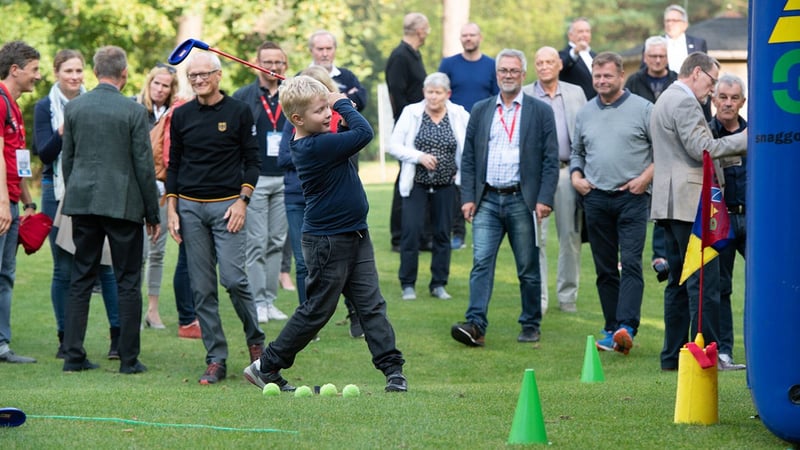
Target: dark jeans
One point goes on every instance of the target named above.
(184, 300)
(617, 227)
(419, 205)
(659, 246)
(62, 269)
(126, 240)
(727, 257)
(338, 264)
(396, 220)
(681, 301)
(459, 225)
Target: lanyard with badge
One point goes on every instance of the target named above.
(509, 157)
(274, 136)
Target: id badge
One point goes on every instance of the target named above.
(510, 157)
(273, 143)
(24, 162)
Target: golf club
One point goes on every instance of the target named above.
(182, 51)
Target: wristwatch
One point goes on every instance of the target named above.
(29, 205)
(245, 198)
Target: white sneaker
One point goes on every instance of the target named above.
(263, 316)
(440, 293)
(274, 313)
(409, 293)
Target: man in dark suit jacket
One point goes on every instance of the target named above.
(509, 172)
(676, 21)
(110, 191)
(405, 73)
(576, 57)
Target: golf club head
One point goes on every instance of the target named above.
(11, 417)
(182, 51)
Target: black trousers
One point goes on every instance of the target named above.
(126, 240)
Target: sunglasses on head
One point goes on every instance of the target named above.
(169, 68)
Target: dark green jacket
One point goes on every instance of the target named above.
(107, 159)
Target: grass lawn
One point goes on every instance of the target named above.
(458, 397)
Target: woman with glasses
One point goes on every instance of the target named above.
(48, 118)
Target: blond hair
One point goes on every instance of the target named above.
(296, 94)
(322, 75)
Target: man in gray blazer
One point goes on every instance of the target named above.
(509, 172)
(110, 191)
(680, 133)
(566, 99)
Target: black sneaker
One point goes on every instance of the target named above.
(260, 379)
(396, 382)
(529, 335)
(215, 372)
(467, 334)
(80, 366)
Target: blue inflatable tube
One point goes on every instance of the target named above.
(772, 306)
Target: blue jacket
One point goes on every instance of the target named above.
(538, 152)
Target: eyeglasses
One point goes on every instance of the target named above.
(513, 72)
(169, 68)
(266, 64)
(714, 81)
(201, 75)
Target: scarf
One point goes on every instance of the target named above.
(57, 102)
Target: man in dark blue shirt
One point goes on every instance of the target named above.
(729, 97)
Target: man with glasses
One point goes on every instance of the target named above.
(322, 45)
(266, 214)
(680, 133)
(679, 44)
(213, 169)
(509, 172)
(649, 82)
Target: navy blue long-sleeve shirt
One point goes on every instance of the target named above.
(335, 199)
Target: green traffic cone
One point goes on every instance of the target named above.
(528, 424)
(592, 369)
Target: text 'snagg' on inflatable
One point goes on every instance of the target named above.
(772, 306)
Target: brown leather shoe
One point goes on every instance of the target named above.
(255, 351)
(191, 331)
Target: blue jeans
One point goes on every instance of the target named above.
(497, 215)
(438, 205)
(727, 257)
(617, 227)
(8, 268)
(62, 269)
(338, 264)
(208, 243)
(294, 215)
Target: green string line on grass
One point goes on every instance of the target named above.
(165, 425)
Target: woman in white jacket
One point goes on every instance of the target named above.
(428, 138)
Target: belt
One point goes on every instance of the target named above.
(503, 191)
(736, 209)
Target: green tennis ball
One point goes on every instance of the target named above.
(351, 390)
(303, 391)
(328, 390)
(271, 390)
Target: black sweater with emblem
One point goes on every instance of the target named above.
(213, 151)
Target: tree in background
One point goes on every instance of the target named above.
(367, 30)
